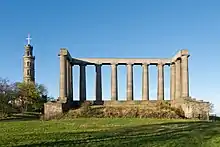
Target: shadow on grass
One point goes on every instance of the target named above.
(22, 117)
(166, 134)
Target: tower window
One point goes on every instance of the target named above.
(28, 53)
(28, 72)
(28, 63)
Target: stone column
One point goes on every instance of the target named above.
(145, 82)
(82, 83)
(185, 76)
(129, 82)
(114, 83)
(160, 85)
(63, 79)
(172, 81)
(98, 83)
(68, 79)
(178, 79)
(71, 82)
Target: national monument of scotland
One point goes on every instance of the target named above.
(179, 83)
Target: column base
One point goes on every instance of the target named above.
(98, 102)
(62, 99)
(129, 99)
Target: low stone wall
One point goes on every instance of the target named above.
(53, 109)
(193, 108)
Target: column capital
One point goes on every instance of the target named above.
(98, 67)
(129, 64)
(114, 63)
(82, 64)
(98, 64)
(172, 63)
(160, 64)
(184, 57)
(178, 60)
(71, 63)
(185, 52)
(62, 55)
(145, 64)
(64, 52)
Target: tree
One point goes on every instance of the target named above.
(39, 104)
(7, 95)
(30, 94)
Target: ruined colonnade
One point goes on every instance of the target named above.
(179, 76)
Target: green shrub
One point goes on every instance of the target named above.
(96, 112)
(179, 111)
(85, 109)
(5, 110)
(3, 115)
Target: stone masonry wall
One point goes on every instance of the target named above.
(52, 109)
(193, 108)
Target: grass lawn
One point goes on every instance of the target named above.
(110, 132)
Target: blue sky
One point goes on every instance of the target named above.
(113, 28)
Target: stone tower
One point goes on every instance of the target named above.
(28, 63)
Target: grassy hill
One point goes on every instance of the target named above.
(117, 132)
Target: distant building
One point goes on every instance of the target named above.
(28, 63)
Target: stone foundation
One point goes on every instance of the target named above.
(52, 109)
(123, 102)
(193, 108)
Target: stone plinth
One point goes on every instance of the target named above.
(52, 109)
(192, 108)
